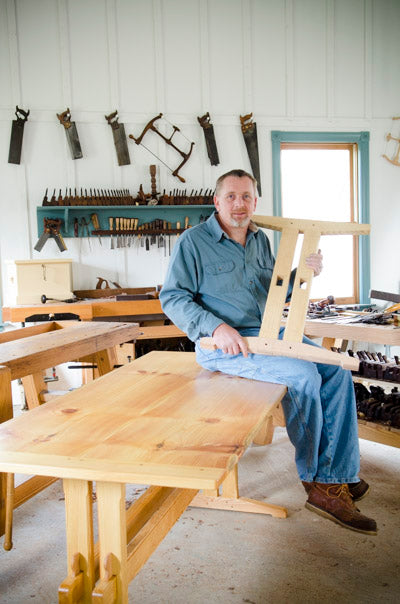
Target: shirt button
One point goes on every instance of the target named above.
(251, 282)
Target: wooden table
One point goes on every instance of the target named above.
(161, 421)
(26, 352)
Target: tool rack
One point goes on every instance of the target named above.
(145, 213)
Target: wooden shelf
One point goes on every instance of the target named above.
(170, 213)
(379, 433)
(382, 383)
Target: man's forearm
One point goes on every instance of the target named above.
(189, 316)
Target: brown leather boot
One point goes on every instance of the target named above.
(333, 501)
(357, 490)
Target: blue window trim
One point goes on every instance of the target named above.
(362, 141)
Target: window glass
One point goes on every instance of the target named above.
(317, 182)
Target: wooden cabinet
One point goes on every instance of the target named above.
(28, 280)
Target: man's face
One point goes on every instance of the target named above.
(236, 201)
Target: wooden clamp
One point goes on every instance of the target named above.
(291, 345)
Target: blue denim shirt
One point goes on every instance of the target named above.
(212, 279)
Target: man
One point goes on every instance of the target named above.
(217, 284)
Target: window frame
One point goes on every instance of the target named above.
(361, 139)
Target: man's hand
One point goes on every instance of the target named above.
(314, 261)
(229, 340)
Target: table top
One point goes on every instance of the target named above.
(27, 350)
(160, 420)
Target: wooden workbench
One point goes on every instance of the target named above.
(26, 352)
(388, 335)
(87, 309)
(161, 421)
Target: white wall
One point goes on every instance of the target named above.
(323, 65)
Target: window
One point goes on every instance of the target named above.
(324, 176)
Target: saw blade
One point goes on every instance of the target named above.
(121, 146)
(73, 141)
(17, 133)
(250, 138)
(42, 240)
(208, 128)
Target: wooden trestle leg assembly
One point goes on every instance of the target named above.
(291, 345)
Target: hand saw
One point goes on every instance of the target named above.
(119, 136)
(71, 134)
(208, 128)
(17, 133)
(249, 130)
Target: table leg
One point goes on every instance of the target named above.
(230, 500)
(78, 585)
(6, 413)
(106, 359)
(34, 385)
(113, 584)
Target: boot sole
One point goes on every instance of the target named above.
(325, 514)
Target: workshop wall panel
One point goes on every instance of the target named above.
(89, 58)
(6, 90)
(226, 57)
(39, 54)
(137, 69)
(386, 68)
(350, 62)
(269, 57)
(98, 150)
(309, 58)
(181, 56)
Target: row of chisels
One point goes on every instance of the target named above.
(122, 197)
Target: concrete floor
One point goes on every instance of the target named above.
(223, 557)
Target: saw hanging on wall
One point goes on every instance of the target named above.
(119, 136)
(208, 128)
(71, 134)
(168, 140)
(17, 133)
(249, 130)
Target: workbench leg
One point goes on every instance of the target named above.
(113, 583)
(34, 385)
(6, 413)
(230, 500)
(78, 585)
(265, 434)
(105, 360)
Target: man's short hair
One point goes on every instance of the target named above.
(238, 173)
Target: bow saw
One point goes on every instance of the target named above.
(168, 140)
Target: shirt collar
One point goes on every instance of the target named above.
(217, 232)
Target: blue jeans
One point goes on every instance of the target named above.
(320, 409)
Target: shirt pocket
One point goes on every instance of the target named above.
(264, 272)
(220, 276)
